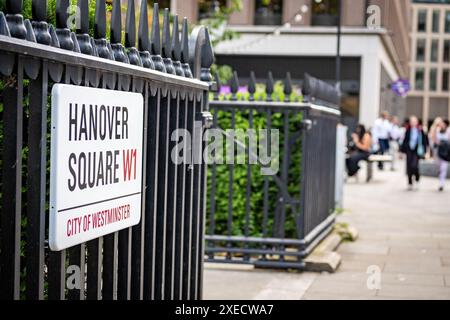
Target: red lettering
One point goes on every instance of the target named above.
(129, 159)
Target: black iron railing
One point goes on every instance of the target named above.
(161, 258)
(274, 220)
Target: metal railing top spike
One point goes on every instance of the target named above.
(314, 90)
(169, 53)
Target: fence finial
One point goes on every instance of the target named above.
(252, 86)
(234, 86)
(116, 33)
(83, 38)
(130, 25)
(101, 45)
(39, 10)
(40, 26)
(14, 6)
(62, 14)
(143, 37)
(166, 43)
(185, 49)
(63, 33)
(176, 48)
(156, 41)
(287, 87)
(83, 23)
(130, 35)
(207, 59)
(15, 20)
(100, 20)
(201, 55)
(116, 22)
(269, 86)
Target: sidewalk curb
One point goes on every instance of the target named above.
(324, 258)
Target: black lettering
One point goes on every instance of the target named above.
(91, 168)
(83, 124)
(73, 121)
(100, 172)
(110, 122)
(109, 160)
(82, 171)
(102, 126)
(116, 166)
(93, 117)
(117, 123)
(124, 123)
(72, 185)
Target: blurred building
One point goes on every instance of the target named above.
(300, 36)
(430, 60)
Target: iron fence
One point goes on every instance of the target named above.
(274, 220)
(161, 257)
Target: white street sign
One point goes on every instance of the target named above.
(96, 163)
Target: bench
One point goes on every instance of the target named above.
(376, 158)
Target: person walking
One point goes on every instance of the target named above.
(395, 136)
(359, 149)
(381, 131)
(441, 139)
(414, 147)
(432, 136)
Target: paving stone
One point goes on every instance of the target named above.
(447, 280)
(445, 261)
(364, 248)
(414, 292)
(420, 267)
(361, 257)
(358, 265)
(337, 288)
(277, 294)
(412, 279)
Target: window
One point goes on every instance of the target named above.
(447, 21)
(446, 55)
(433, 79)
(434, 50)
(324, 12)
(422, 21)
(420, 50)
(419, 79)
(445, 78)
(436, 16)
(268, 12)
(207, 8)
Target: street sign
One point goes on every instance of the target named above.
(96, 163)
(401, 87)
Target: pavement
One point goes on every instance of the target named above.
(403, 250)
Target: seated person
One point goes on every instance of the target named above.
(359, 149)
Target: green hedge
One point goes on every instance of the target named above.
(240, 180)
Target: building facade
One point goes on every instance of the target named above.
(301, 36)
(430, 60)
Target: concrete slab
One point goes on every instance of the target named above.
(221, 284)
(414, 292)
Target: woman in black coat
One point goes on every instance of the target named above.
(359, 149)
(415, 146)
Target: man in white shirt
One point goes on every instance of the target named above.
(396, 135)
(382, 130)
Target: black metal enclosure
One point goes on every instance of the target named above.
(274, 221)
(160, 258)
